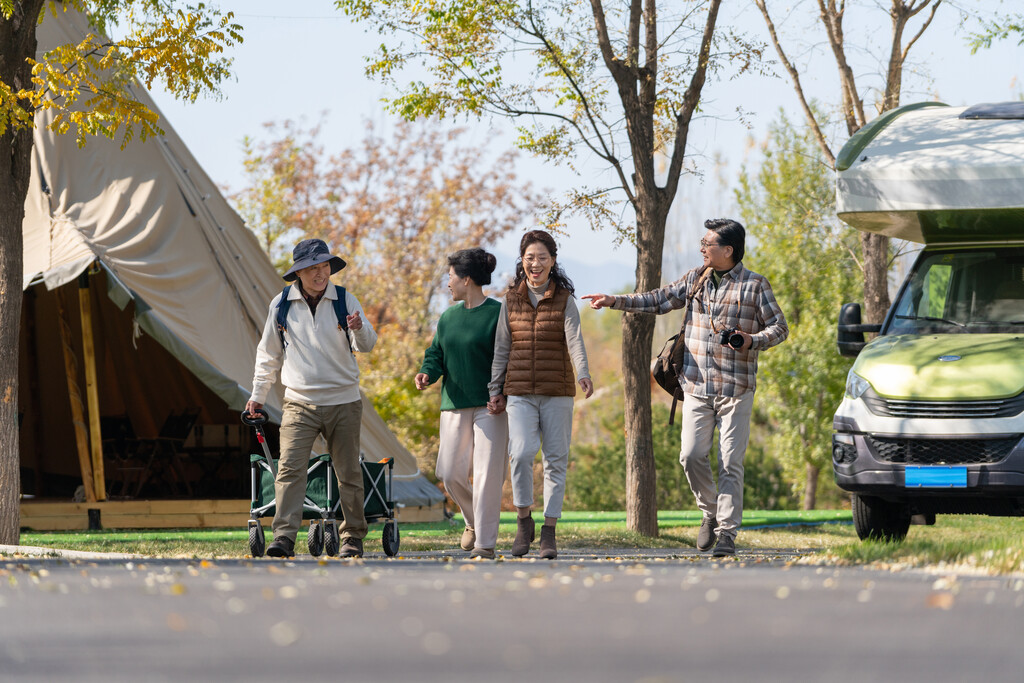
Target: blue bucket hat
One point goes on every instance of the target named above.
(312, 252)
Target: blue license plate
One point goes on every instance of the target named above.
(936, 476)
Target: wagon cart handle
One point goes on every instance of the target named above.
(257, 424)
(260, 419)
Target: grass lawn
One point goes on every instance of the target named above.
(988, 543)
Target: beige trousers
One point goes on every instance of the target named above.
(300, 425)
(474, 444)
(731, 416)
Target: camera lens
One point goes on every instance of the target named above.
(735, 340)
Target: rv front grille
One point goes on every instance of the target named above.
(941, 451)
(944, 410)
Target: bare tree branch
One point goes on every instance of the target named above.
(690, 100)
(795, 77)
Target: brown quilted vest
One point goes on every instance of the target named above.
(538, 361)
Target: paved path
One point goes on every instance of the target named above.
(646, 616)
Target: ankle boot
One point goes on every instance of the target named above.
(524, 536)
(548, 551)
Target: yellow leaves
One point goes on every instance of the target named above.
(87, 86)
(12, 114)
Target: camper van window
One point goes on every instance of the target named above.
(963, 291)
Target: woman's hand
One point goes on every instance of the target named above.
(598, 301)
(587, 386)
(496, 405)
(422, 381)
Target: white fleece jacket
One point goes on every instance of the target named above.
(316, 366)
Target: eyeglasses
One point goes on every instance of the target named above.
(705, 244)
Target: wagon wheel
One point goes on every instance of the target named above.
(257, 542)
(331, 540)
(390, 538)
(315, 538)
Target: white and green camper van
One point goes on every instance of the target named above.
(932, 420)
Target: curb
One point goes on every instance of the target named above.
(35, 551)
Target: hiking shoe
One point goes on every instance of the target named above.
(525, 531)
(706, 535)
(548, 551)
(483, 553)
(351, 547)
(281, 547)
(725, 547)
(468, 538)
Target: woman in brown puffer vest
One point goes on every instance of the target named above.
(537, 343)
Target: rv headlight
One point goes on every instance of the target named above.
(856, 385)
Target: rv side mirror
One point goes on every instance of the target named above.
(850, 335)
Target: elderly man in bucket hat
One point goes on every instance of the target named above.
(313, 348)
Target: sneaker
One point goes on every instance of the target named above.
(725, 547)
(281, 546)
(468, 538)
(525, 531)
(483, 553)
(706, 535)
(351, 547)
(548, 551)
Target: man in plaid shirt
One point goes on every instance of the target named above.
(719, 375)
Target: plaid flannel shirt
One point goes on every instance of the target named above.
(744, 300)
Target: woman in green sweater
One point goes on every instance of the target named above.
(474, 442)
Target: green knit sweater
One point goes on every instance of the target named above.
(461, 353)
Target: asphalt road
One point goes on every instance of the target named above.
(630, 616)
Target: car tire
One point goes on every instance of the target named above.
(879, 519)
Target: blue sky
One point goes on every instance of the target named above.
(306, 59)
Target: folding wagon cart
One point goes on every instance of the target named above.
(322, 504)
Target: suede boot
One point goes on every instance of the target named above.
(525, 531)
(548, 551)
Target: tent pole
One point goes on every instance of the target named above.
(91, 391)
(75, 397)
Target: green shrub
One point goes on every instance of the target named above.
(597, 472)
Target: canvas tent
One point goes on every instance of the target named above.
(173, 289)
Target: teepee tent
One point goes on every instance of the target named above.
(145, 299)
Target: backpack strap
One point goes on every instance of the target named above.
(340, 311)
(282, 313)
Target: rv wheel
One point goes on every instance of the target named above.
(879, 519)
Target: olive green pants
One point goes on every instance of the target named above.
(301, 424)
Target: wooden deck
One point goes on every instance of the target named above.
(51, 515)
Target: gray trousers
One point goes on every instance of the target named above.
(539, 423)
(340, 425)
(731, 416)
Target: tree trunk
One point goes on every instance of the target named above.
(637, 335)
(641, 478)
(17, 43)
(876, 276)
(811, 487)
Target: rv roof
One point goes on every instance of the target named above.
(937, 174)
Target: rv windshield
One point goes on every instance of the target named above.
(962, 290)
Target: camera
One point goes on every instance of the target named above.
(731, 338)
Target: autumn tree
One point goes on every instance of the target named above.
(83, 88)
(907, 21)
(591, 85)
(394, 206)
(787, 202)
